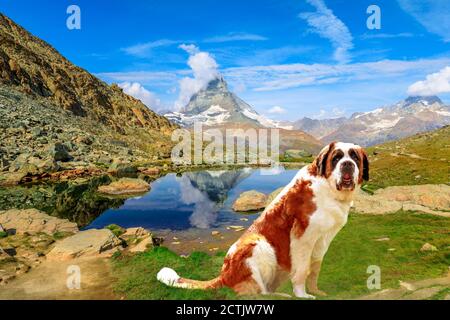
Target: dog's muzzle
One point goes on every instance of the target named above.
(347, 181)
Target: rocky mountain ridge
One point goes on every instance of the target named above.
(56, 116)
(403, 119)
(34, 67)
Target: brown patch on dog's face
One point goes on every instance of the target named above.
(319, 165)
(363, 164)
(291, 213)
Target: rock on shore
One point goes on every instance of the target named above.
(250, 201)
(85, 243)
(34, 221)
(432, 199)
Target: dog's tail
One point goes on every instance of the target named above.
(170, 278)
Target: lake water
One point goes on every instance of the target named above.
(189, 206)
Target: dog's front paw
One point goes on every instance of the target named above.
(300, 292)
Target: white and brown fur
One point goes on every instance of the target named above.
(292, 236)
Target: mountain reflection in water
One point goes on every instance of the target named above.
(199, 200)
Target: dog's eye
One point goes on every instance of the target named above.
(336, 159)
(355, 157)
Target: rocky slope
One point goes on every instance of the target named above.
(403, 119)
(38, 69)
(317, 127)
(54, 111)
(421, 159)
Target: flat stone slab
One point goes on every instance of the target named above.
(432, 199)
(125, 186)
(85, 243)
(419, 290)
(34, 221)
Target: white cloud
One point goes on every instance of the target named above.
(137, 91)
(432, 14)
(144, 49)
(282, 77)
(189, 48)
(328, 26)
(386, 35)
(236, 36)
(276, 110)
(433, 84)
(287, 76)
(204, 69)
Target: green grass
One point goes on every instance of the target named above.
(115, 229)
(344, 270)
(392, 165)
(137, 275)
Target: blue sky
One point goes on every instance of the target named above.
(288, 59)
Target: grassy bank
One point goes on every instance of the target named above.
(420, 159)
(344, 270)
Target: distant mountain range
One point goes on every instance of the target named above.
(217, 106)
(405, 118)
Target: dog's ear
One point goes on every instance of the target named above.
(319, 166)
(365, 159)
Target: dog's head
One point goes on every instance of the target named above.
(344, 165)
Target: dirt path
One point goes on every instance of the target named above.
(48, 281)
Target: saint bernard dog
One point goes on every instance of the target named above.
(291, 237)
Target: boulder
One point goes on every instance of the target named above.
(143, 245)
(12, 179)
(150, 171)
(250, 201)
(19, 162)
(273, 195)
(125, 186)
(59, 152)
(122, 169)
(34, 221)
(30, 165)
(85, 244)
(135, 233)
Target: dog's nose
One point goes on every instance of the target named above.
(348, 165)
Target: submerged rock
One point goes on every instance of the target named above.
(250, 201)
(125, 186)
(35, 221)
